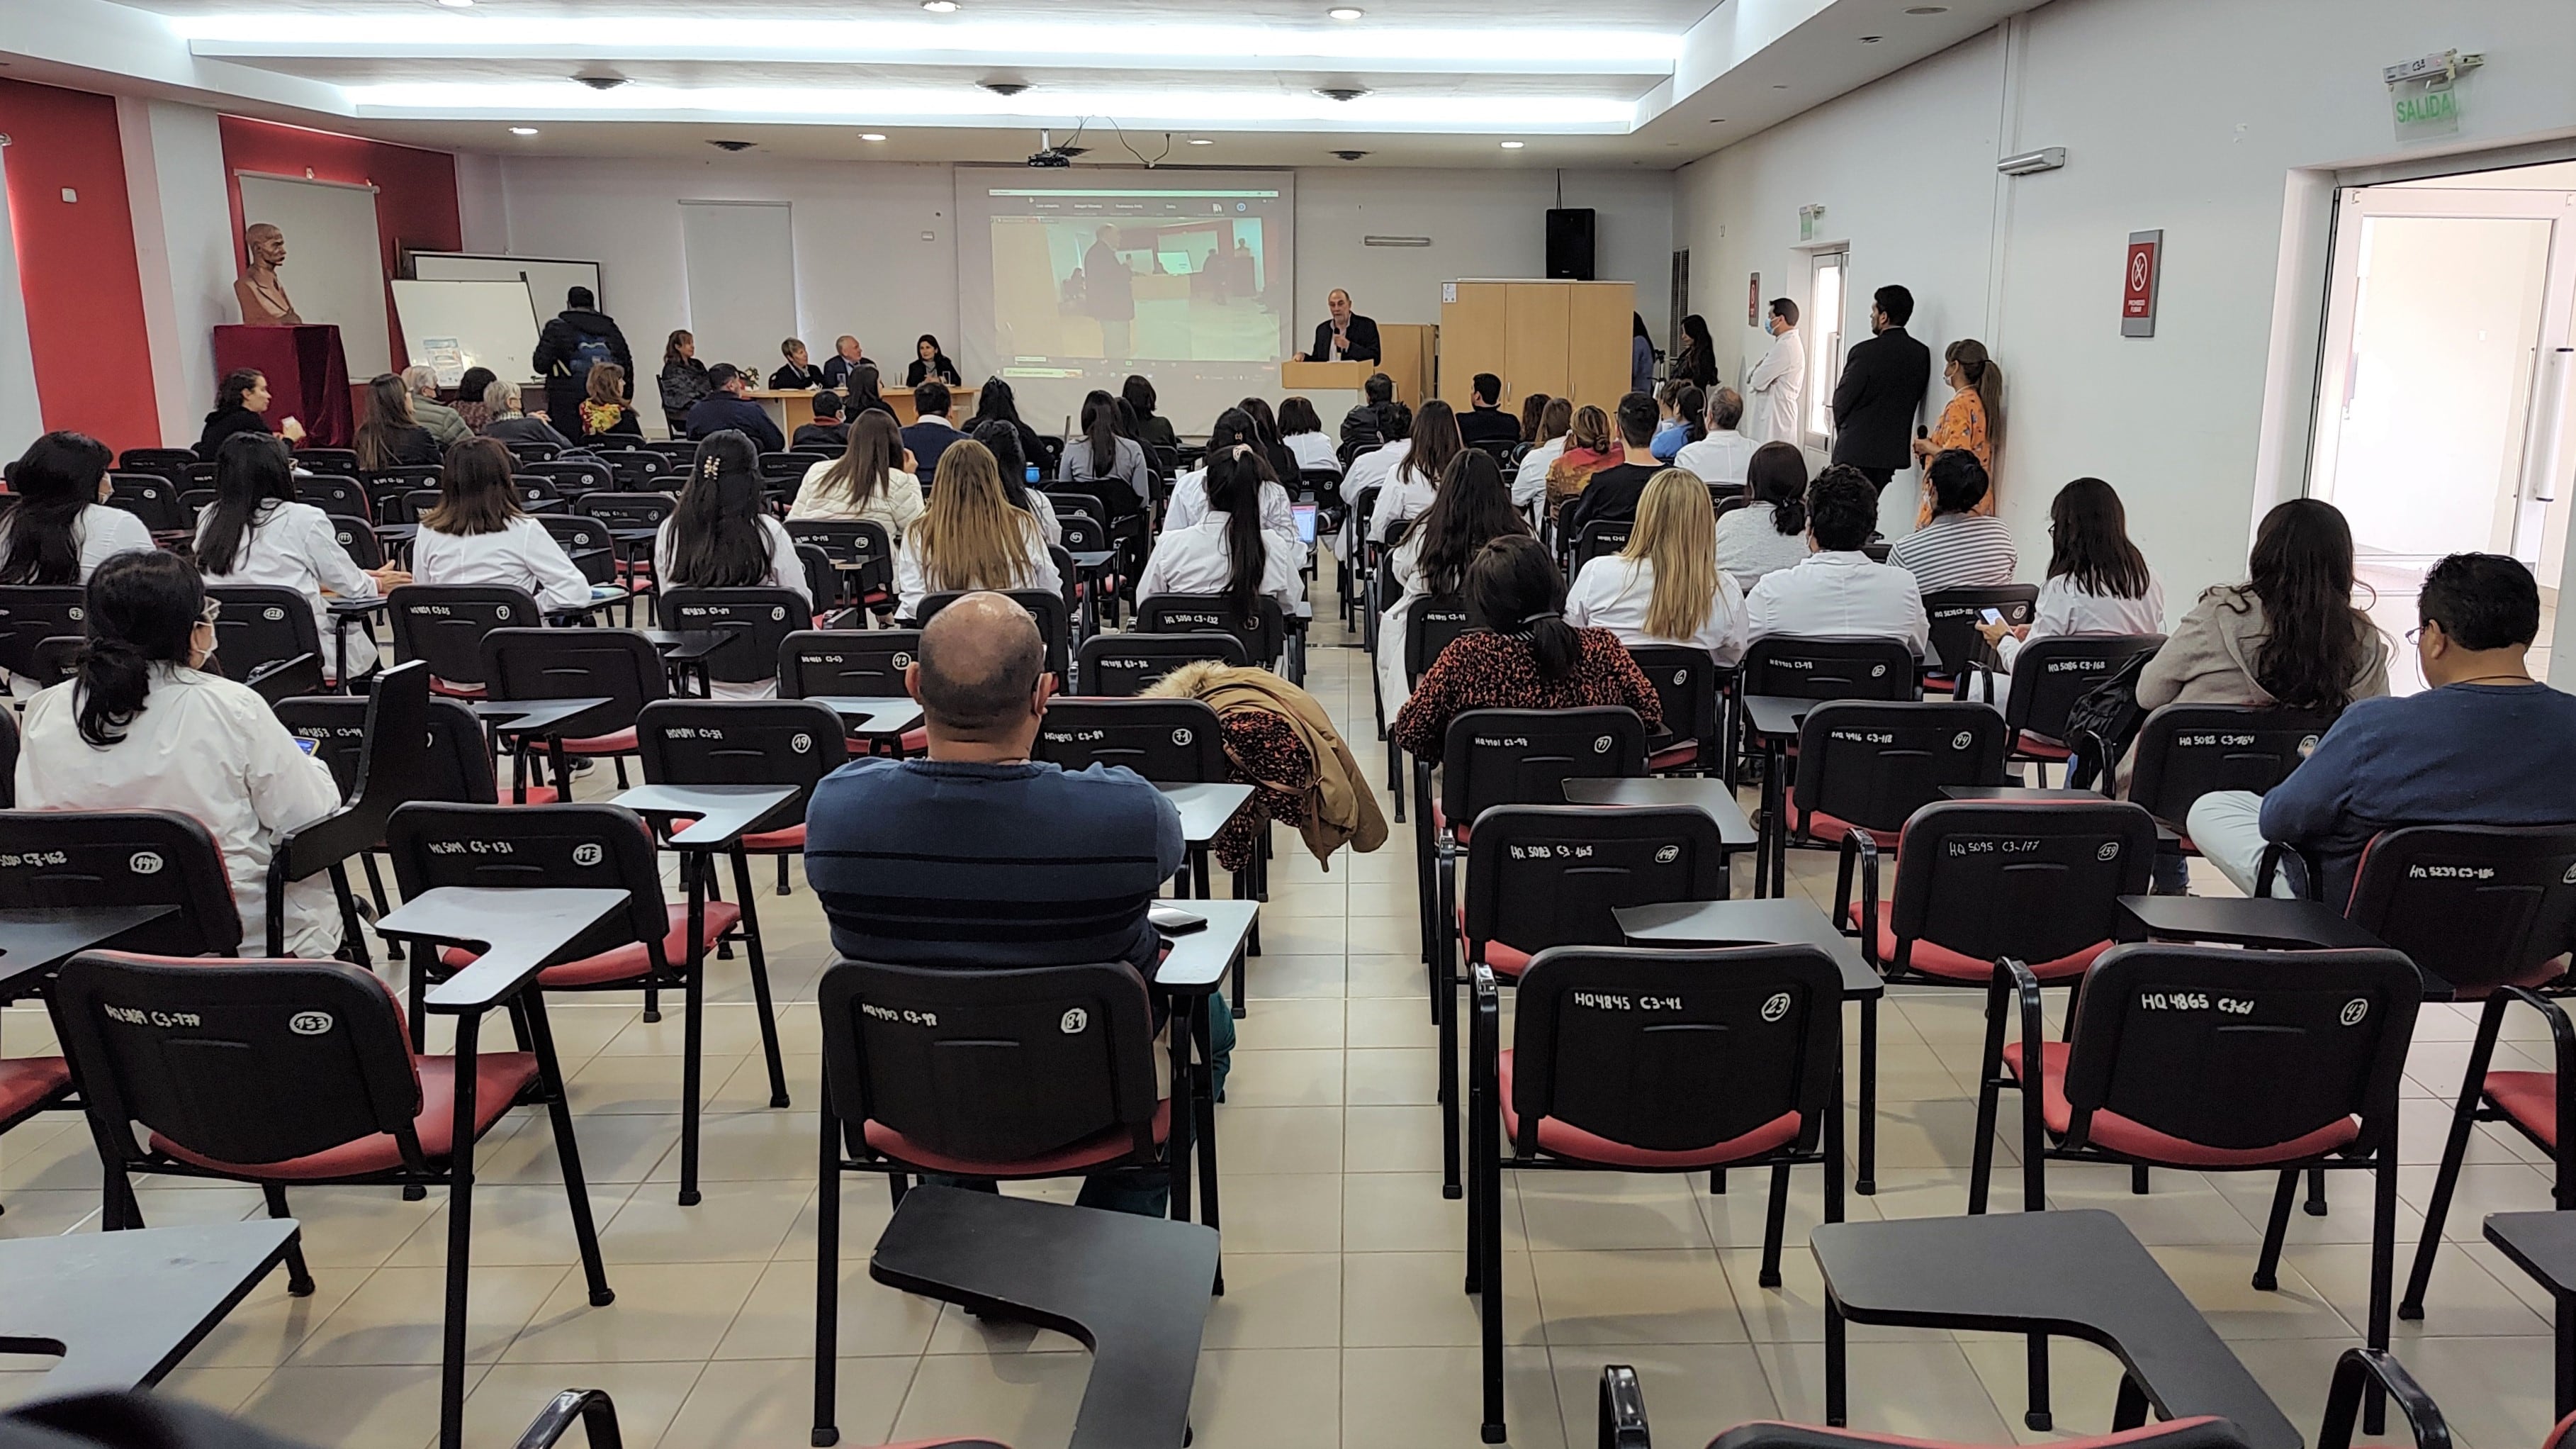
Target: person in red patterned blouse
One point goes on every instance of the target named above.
(1522, 654)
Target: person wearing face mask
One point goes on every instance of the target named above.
(143, 725)
(1779, 380)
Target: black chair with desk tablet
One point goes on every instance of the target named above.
(31, 615)
(170, 463)
(394, 754)
(572, 477)
(1722, 1059)
(537, 493)
(153, 499)
(2049, 675)
(413, 504)
(862, 550)
(392, 489)
(1869, 766)
(263, 630)
(636, 515)
(98, 858)
(620, 666)
(746, 742)
(1168, 741)
(1956, 645)
(1428, 627)
(1263, 633)
(755, 622)
(635, 470)
(534, 452)
(360, 542)
(444, 625)
(1049, 609)
(2185, 751)
(1686, 683)
(1121, 665)
(1600, 537)
(341, 497)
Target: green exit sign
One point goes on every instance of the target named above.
(2425, 109)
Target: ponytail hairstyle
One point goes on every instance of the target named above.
(2316, 644)
(1693, 417)
(252, 474)
(55, 479)
(1589, 430)
(2088, 534)
(1777, 474)
(1984, 379)
(996, 400)
(1234, 482)
(717, 541)
(1233, 428)
(1100, 427)
(144, 608)
(1472, 509)
(1513, 588)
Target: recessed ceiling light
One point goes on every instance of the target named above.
(872, 135)
(1201, 141)
(1927, 10)
(1514, 145)
(940, 7)
(1341, 93)
(1717, 120)
(1346, 12)
(1781, 86)
(455, 4)
(523, 130)
(1871, 39)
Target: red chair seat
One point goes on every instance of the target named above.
(2147, 1434)
(1508, 961)
(499, 1077)
(1559, 1139)
(2115, 1133)
(620, 743)
(1440, 822)
(631, 960)
(1832, 828)
(1675, 756)
(25, 1083)
(916, 741)
(791, 838)
(1108, 1146)
(2558, 1433)
(537, 795)
(2529, 1098)
(1933, 959)
(456, 691)
(2040, 747)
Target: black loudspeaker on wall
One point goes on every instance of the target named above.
(1569, 243)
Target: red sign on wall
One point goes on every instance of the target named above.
(2138, 284)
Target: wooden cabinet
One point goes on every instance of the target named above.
(1564, 339)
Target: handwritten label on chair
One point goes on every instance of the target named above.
(906, 1017)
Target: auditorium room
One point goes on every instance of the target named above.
(1125, 724)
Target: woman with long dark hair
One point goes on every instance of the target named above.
(1684, 420)
(721, 536)
(240, 401)
(1641, 355)
(1696, 362)
(57, 529)
(478, 534)
(1265, 426)
(1234, 428)
(1228, 552)
(2288, 635)
(929, 364)
(996, 403)
(256, 533)
(1151, 429)
(1770, 530)
(1104, 466)
(1547, 443)
(1533, 408)
(684, 379)
(2098, 582)
(1522, 654)
(142, 725)
(1472, 510)
(1420, 461)
(1002, 440)
(387, 436)
(469, 406)
(873, 479)
(1973, 420)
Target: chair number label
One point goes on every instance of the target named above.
(908, 1018)
(2455, 872)
(2193, 1001)
(1605, 1001)
(1551, 852)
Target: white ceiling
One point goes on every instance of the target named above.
(1648, 83)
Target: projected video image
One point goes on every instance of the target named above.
(1089, 278)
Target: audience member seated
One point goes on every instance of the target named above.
(510, 425)
(971, 537)
(1485, 421)
(873, 479)
(797, 374)
(1265, 429)
(827, 430)
(1189, 503)
(863, 394)
(141, 726)
(1227, 551)
(1280, 740)
(929, 364)
(1612, 493)
(469, 397)
(1002, 440)
(441, 420)
(1684, 410)
(1104, 466)
(1770, 531)
(1522, 654)
(2289, 635)
(478, 534)
(2485, 744)
(606, 420)
(256, 533)
(722, 536)
(2098, 582)
(1431, 560)
(1548, 443)
(684, 380)
(239, 404)
(930, 432)
(1590, 446)
(1836, 589)
(1152, 429)
(1665, 587)
(979, 858)
(1720, 457)
(727, 410)
(1420, 462)
(387, 437)
(1303, 431)
(56, 531)
(1378, 418)
(846, 356)
(1533, 407)
(1960, 548)
(996, 403)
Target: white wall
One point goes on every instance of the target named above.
(183, 250)
(22, 420)
(2196, 116)
(875, 255)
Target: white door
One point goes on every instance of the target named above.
(1827, 272)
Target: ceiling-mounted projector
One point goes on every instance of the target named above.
(1049, 156)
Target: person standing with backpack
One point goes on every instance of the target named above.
(578, 339)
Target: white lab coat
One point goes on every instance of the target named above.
(296, 546)
(913, 583)
(1189, 507)
(2064, 609)
(1374, 468)
(1839, 594)
(1612, 593)
(1775, 386)
(521, 555)
(102, 533)
(1406, 494)
(206, 747)
(1194, 560)
(1719, 459)
(1405, 568)
(898, 505)
(1529, 483)
(1314, 450)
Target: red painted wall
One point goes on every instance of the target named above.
(415, 196)
(76, 264)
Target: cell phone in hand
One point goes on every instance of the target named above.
(1990, 616)
(1173, 921)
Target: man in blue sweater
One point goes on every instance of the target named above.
(2486, 744)
(726, 407)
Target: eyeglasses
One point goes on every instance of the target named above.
(2416, 634)
(214, 610)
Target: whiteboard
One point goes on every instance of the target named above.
(548, 278)
(335, 266)
(451, 326)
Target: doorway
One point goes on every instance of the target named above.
(1826, 274)
(2443, 386)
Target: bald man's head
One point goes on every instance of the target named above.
(976, 673)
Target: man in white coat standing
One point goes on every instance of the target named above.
(1779, 380)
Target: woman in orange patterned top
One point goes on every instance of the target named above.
(1974, 420)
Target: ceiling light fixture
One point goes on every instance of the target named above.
(1004, 88)
(1201, 141)
(455, 4)
(1346, 12)
(1871, 39)
(1341, 93)
(940, 7)
(523, 130)
(1927, 10)
(872, 135)
(1514, 145)
(1350, 155)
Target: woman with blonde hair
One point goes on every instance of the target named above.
(872, 480)
(1665, 587)
(970, 537)
(1974, 420)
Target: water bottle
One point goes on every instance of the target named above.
(1033, 473)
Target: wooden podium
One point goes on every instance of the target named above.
(1410, 349)
(1565, 339)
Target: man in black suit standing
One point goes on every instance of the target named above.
(1346, 336)
(1881, 391)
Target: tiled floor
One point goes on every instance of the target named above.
(1344, 1323)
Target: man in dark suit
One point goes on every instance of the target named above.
(1486, 422)
(1109, 292)
(1346, 336)
(1881, 391)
